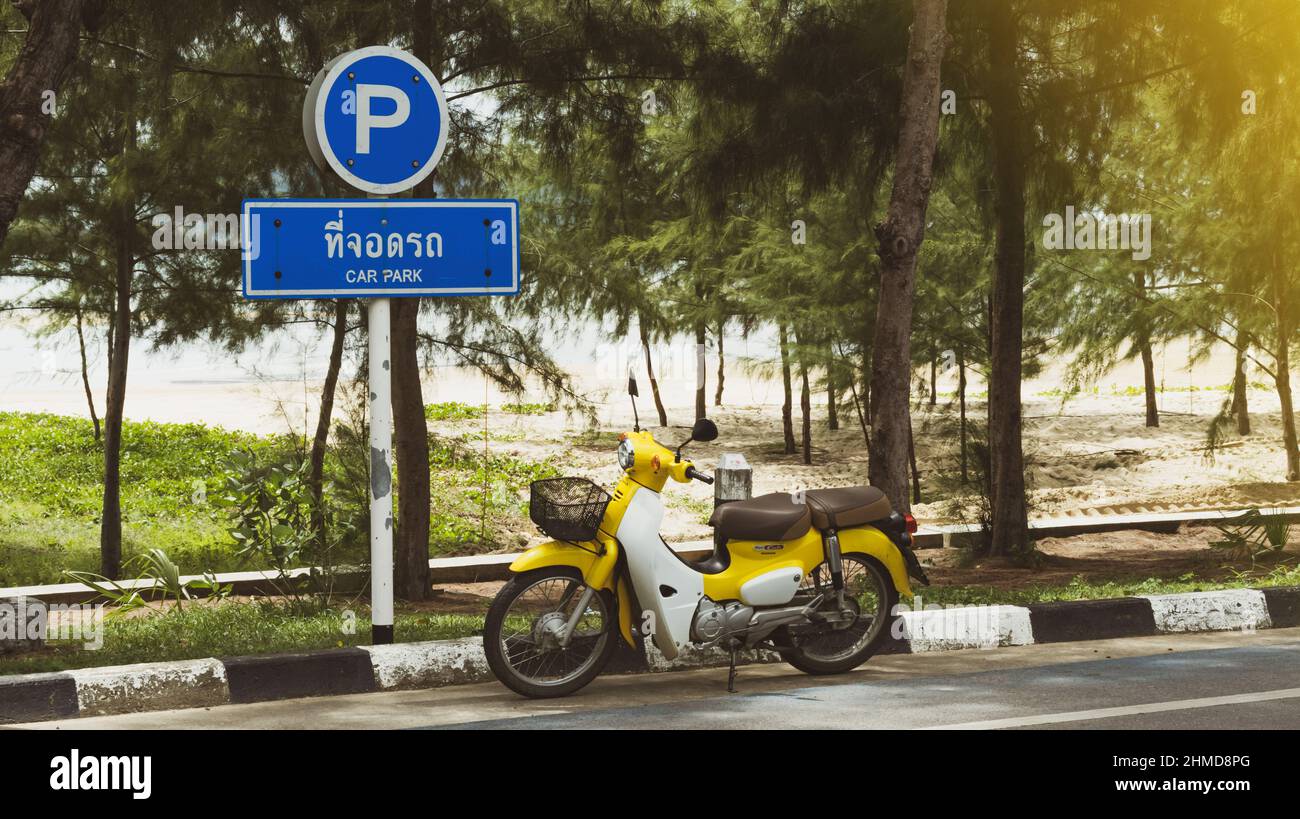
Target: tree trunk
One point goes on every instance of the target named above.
(805, 407)
(1149, 381)
(410, 429)
(50, 47)
(832, 412)
(110, 528)
(900, 237)
(787, 408)
(411, 439)
(857, 406)
(866, 397)
(650, 371)
(1240, 404)
(934, 371)
(85, 375)
(911, 459)
(316, 477)
(1007, 463)
(717, 395)
(1282, 306)
(1142, 336)
(701, 375)
(961, 402)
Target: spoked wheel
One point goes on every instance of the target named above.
(836, 648)
(522, 635)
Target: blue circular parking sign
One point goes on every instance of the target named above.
(378, 117)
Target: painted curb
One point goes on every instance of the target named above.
(211, 681)
(428, 665)
(1068, 621)
(1283, 604)
(966, 627)
(36, 697)
(1226, 610)
(150, 687)
(302, 674)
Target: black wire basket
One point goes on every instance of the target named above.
(567, 508)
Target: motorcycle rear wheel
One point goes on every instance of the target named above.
(522, 652)
(868, 586)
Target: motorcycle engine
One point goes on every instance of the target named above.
(714, 621)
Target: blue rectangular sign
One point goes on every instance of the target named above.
(342, 248)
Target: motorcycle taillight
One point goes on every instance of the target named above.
(911, 523)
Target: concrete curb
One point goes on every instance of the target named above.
(1227, 610)
(300, 674)
(212, 681)
(1071, 620)
(150, 687)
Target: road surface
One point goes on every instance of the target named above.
(1199, 681)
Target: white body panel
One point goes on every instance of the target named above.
(653, 566)
(772, 588)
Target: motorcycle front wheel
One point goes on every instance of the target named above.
(870, 591)
(521, 633)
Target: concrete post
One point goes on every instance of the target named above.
(734, 479)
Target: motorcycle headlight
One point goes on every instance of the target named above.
(626, 455)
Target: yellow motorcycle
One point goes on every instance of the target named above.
(814, 575)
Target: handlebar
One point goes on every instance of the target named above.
(692, 472)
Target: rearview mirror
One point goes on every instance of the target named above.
(704, 430)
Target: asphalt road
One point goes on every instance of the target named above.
(1163, 691)
(1204, 681)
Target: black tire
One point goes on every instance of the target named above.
(494, 646)
(807, 660)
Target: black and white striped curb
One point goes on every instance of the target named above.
(209, 682)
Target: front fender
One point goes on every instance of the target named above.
(871, 541)
(596, 561)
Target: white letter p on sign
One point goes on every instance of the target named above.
(366, 120)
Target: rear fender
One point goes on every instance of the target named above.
(871, 541)
(597, 561)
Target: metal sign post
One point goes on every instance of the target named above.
(381, 473)
(378, 118)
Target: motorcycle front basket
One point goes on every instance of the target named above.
(567, 508)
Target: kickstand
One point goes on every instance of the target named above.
(731, 673)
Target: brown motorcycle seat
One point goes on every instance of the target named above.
(846, 506)
(777, 516)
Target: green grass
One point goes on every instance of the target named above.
(1081, 589)
(1132, 390)
(462, 476)
(55, 461)
(701, 509)
(527, 409)
(452, 411)
(51, 493)
(230, 629)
